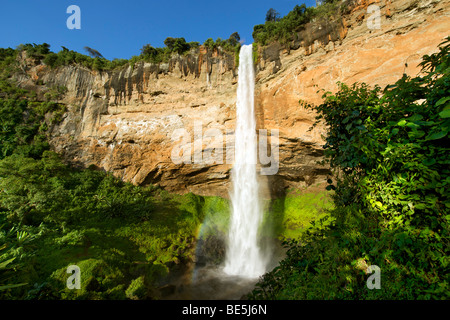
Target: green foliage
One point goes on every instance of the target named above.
(123, 237)
(155, 55)
(232, 44)
(93, 53)
(24, 124)
(216, 212)
(95, 60)
(389, 149)
(209, 44)
(137, 289)
(234, 39)
(68, 57)
(7, 63)
(99, 279)
(391, 145)
(114, 231)
(42, 53)
(55, 93)
(13, 240)
(291, 215)
(7, 266)
(181, 47)
(272, 15)
(178, 45)
(33, 189)
(9, 91)
(255, 53)
(158, 55)
(284, 29)
(37, 51)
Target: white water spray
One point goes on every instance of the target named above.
(244, 257)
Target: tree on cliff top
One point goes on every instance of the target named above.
(234, 39)
(272, 15)
(178, 45)
(93, 53)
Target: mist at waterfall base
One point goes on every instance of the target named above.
(245, 258)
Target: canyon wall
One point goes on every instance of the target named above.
(123, 121)
(356, 52)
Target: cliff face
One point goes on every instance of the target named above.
(123, 121)
(409, 30)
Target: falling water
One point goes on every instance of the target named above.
(244, 257)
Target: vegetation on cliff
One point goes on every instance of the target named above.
(389, 149)
(95, 61)
(286, 29)
(181, 47)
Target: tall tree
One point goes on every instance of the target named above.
(272, 15)
(234, 38)
(93, 53)
(178, 45)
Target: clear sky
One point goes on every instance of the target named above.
(119, 28)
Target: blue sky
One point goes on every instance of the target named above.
(119, 29)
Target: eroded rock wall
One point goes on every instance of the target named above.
(123, 120)
(408, 30)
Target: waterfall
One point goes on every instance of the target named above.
(244, 257)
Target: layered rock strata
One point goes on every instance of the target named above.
(123, 121)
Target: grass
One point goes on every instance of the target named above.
(291, 215)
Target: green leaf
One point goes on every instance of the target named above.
(412, 125)
(425, 123)
(445, 114)
(416, 134)
(5, 263)
(442, 101)
(401, 123)
(362, 128)
(379, 204)
(429, 162)
(436, 135)
(415, 117)
(9, 286)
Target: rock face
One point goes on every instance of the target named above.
(124, 120)
(408, 30)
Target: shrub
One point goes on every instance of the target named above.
(137, 289)
(51, 59)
